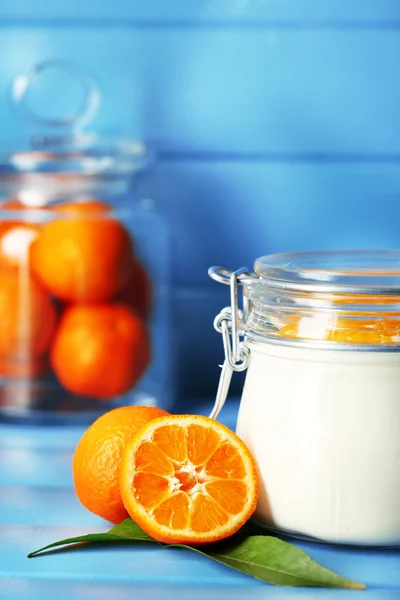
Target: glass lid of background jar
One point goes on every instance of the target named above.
(59, 159)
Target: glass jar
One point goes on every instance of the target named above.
(319, 334)
(84, 280)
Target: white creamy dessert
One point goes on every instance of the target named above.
(319, 335)
(324, 427)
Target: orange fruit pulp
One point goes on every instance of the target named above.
(85, 255)
(97, 459)
(28, 318)
(100, 350)
(188, 479)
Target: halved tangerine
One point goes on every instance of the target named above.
(188, 479)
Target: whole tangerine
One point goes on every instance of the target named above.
(28, 317)
(97, 459)
(82, 257)
(100, 351)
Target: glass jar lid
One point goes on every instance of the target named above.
(88, 154)
(347, 271)
(348, 299)
(59, 159)
(67, 167)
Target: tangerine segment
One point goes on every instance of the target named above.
(174, 512)
(225, 461)
(230, 494)
(207, 515)
(201, 444)
(172, 441)
(188, 479)
(151, 489)
(153, 461)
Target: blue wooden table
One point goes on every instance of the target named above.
(38, 506)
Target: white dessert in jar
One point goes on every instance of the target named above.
(320, 409)
(324, 427)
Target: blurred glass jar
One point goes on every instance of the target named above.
(84, 287)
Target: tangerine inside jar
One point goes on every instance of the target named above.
(320, 408)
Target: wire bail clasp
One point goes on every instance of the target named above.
(230, 324)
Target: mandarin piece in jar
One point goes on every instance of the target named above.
(28, 317)
(363, 299)
(82, 257)
(138, 291)
(367, 331)
(100, 351)
(97, 459)
(188, 479)
(384, 330)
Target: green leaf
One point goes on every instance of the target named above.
(91, 537)
(264, 557)
(126, 531)
(274, 561)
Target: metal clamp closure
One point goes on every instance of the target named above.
(230, 323)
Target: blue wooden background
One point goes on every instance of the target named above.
(277, 124)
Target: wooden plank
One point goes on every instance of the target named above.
(229, 213)
(43, 589)
(203, 11)
(198, 347)
(229, 91)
